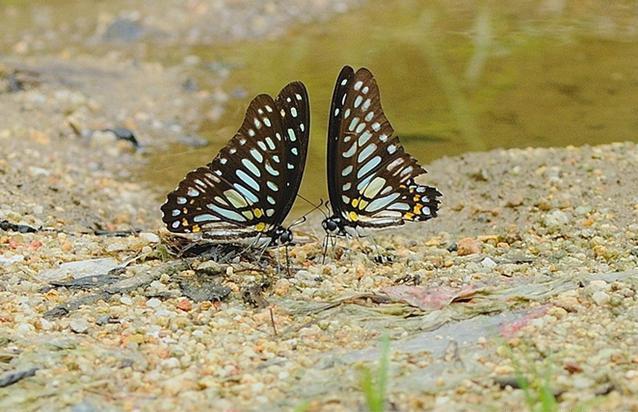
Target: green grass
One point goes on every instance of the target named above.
(374, 383)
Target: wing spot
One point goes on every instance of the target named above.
(366, 152)
(181, 200)
(345, 199)
(369, 116)
(346, 113)
(347, 170)
(298, 96)
(337, 112)
(357, 101)
(260, 111)
(262, 146)
(344, 81)
(291, 135)
(268, 108)
(293, 111)
(383, 138)
(282, 112)
(371, 164)
(204, 218)
(353, 123)
(267, 121)
(256, 155)
(294, 151)
(366, 105)
(272, 186)
(358, 85)
(192, 192)
(360, 127)
(223, 160)
(275, 158)
(270, 200)
(365, 90)
(376, 126)
(351, 151)
(242, 141)
(290, 166)
(270, 170)
(245, 177)
(302, 127)
(365, 136)
(257, 123)
(392, 148)
(175, 212)
(346, 186)
(175, 224)
(288, 99)
(270, 212)
(251, 167)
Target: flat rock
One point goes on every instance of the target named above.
(79, 269)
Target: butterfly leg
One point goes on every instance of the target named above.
(324, 249)
(287, 262)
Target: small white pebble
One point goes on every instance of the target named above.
(153, 303)
(600, 297)
(488, 263)
(126, 300)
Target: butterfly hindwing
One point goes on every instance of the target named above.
(370, 176)
(249, 187)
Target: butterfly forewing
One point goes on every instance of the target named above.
(250, 186)
(370, 177)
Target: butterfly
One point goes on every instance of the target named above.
(250, 186)
(370, 176)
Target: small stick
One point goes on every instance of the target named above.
(272, 321)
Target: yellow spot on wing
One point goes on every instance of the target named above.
(260, 227)
(363, 204)
(353, 216)
(196, 228)
(417, 208)
(408, 216)
(355, 202)
(258, 212)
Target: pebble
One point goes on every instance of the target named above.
(488, 263)
(126, 300)
(153, 303)
(79, 325)
(468, 246)
(555, 219)
(149, 237)
(600, 297)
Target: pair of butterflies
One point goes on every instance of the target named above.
(250, 186)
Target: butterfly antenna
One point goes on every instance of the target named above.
(303, 218)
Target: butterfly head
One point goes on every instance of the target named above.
(281, 236)
(333, 225)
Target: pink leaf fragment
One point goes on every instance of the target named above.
(428, 298)
(509, 330)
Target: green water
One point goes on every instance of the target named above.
(452, 79)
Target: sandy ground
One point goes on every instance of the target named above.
(530, 270)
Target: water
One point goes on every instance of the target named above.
(454, 76)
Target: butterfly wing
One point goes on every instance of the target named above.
(251, 184)
(370, 176)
